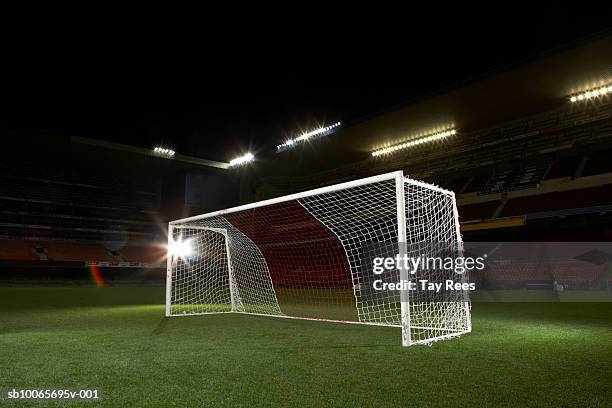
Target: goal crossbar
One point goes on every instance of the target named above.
(322, 190)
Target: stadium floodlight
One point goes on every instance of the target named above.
(163, 151)
(415, 142)
(249, 157)
(306, 256)
(592, 93)
(305, 136)
(180, 247)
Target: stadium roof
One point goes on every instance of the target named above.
(147, 152)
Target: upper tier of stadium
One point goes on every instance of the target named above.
(507, 102)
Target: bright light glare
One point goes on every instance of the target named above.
(164, 151)
(414, 142)
(242, 160)
(180, 248)
(592, 93)
(308, 135)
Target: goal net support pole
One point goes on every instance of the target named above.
(403, 273)
(169, 260)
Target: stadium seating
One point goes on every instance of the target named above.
(478, 182)
(575, 274)
(563, 167)
(152, 254)
(480, 211)
(14, 250)
(68, 251)
(81, 209)
(511, 157)
(66, 212)
(545, 136)
(517, 178)
(589, 197)
(598, 163)
(31, 195)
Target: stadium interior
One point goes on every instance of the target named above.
(526, 163)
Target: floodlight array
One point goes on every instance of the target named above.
(589, 94)
(415, 142)
(164, 151)
(305, 136)
(242, 160)
(592, 93)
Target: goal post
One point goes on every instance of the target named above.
(309, 256)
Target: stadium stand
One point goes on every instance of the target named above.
(540, 138)
(598, 163)
(589, 197)
(573, 274)
(55, 211)
(563, 167)
(515, 179)
(480, 211)
(515, 168)
(17, 250)
(518, 172)
(570, 271)
(151, 254)
(67, 251)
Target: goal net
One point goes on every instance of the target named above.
(310, 256)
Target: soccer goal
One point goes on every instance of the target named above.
(309, 256)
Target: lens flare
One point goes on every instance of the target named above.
(96, 274)
(180, 248)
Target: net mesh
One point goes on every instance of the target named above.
(201, 283)
(311, 257)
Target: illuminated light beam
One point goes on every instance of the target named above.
(415, 142)
(238, 161)
(591, 93)
(305, 136)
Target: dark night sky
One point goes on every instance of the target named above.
(214, 97)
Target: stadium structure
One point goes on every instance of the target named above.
(525, 148)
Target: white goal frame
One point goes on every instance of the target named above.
(400, 181)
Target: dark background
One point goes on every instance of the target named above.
(216, 93)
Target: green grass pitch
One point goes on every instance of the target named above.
(519, 354)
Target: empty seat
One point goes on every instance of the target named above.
(151, 254)
(17, 250)
(480, 211)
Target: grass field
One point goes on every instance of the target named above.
(520, 354)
